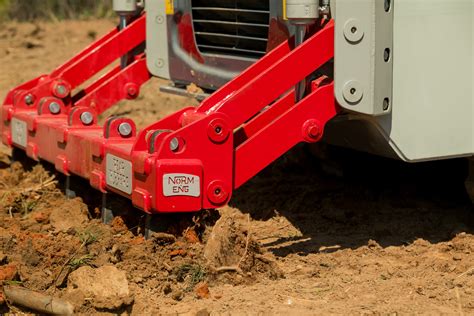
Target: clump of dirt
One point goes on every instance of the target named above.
(105, 287)
(232, 248)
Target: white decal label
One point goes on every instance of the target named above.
(119, 173)
(19, 132)
(181, 184)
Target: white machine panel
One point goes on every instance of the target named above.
(431, 111)
(433, 104)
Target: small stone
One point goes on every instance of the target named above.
(457, 257)
(167, 289)
(162, 238)
(202, 290)
(191, 236)
(372, 244)
(3, 258)
(138, 280)
(177, 296)
(177, 252)
(203, 312)
(8, 272)
(40, 217)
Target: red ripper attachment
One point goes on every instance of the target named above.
(188, 161)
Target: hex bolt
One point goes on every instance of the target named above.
(61, 90)
(29, 99)
(125, 129)
(54, 108)
(314, 131)
(87, 118)
(132, 91)
(174, 144)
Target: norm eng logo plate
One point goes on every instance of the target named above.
(181, 184)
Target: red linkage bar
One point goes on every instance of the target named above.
(303, 122)
(116, 86)
(61, 82)
(266, 81)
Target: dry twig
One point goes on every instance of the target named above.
(37, 301)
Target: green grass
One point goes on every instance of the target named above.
(195, 272)
(28, 10)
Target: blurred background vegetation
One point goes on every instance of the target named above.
(27, 10)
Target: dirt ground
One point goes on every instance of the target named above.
(361, 236)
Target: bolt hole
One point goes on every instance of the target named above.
(386, 104)
(386, 55)
(353, 30)
(218, 129)
(217, 191)
(353, 91)
(387, 5)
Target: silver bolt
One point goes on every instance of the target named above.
(125, 129)
(54, 108)
(61, 89)
(29, 99)
(87, 118)
(174, 144)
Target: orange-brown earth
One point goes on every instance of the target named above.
(369, 236)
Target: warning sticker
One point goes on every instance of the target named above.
(119, 173)
(19, 132)
(181, 184)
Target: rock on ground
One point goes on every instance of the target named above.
(107, 286)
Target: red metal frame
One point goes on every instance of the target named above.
(190, 160)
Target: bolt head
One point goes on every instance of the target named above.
(87, 118)
(132, 91)
(313, 131)
(29, 99)
(125, 129)
(61, 90)
(174, 144)
(54, 108)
